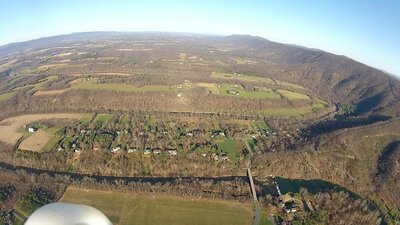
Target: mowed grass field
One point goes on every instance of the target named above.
(141, 209)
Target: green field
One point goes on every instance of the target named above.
(228, 146)
(289, 112)
(264, 219)
(103, 118)
(293, 95)
(238, 91)
(92, 85)
(86, 118)
(231, 76)
(54, 140)
(250, 143)
(6, 96)
(145, 209)
(100, 120)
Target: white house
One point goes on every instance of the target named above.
(31, 130)
(147, 151)
(115, 149)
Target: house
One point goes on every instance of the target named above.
(233, 92)
(31, 130)
(78, 150)
(225, 157)
(146, 151)
(189, 134)
(214, 156)
(157, 151)
(132, 150)
(172, 152)
(116, 149)
(289, 207)
(179, 95)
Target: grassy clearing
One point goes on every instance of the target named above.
(92, 85)
(238, 91)
(230, 76)
(6, 96)
(293, 95)
(229, 147)
(101, 119)
(128, 208)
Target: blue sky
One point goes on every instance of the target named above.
(366, 30)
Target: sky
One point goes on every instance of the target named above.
(365, 30)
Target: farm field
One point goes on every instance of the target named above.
(140, 209)
(238, 91)
(9, 127)
(36, 141)
(293, 95)
(91, 85)
(230, 76)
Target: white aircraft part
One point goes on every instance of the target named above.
(67, 214)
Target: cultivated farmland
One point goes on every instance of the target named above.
(36, 141)
(9, 128)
